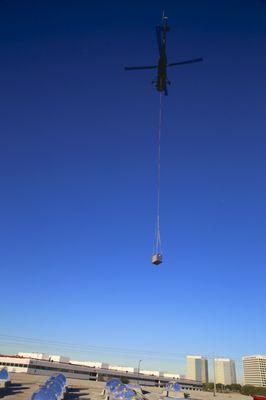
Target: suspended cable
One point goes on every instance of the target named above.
(158, 234)
(157, 257)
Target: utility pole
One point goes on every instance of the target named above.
(138, 369)
(214, 379)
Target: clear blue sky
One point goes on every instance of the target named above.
(78, 175)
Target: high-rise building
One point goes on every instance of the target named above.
(197, 368)
(254, 370)
(225, 371)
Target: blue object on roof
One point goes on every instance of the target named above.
(174, 386)
(127, 394)
(55, 387)
(38, 395)
(61, 378)
(49, 381)
(43, 394)
(52, 389)
(112, 384)
(120, 388)
(4, 375)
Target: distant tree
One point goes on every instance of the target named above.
(235, 387)
(207, 386)
(219, 386)
(256, 390)
(248, 390)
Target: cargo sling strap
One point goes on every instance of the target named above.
(157, 229)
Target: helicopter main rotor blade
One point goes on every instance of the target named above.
(145, 67)
(186, 62)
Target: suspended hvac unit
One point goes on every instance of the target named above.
(157, 258)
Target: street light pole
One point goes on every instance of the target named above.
(138, 369)
(214, 378)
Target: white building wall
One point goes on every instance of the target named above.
(93, 364)
(147, 372)
(255, 370)
(225, 371)
(37, 356)
(56, 358)
(171, 376)
(197, 368)
(17, 364)
(43, 367)
(121, 368)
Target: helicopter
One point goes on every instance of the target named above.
(161, 81)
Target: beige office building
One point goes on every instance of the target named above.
(254, 368)
(197, 368)
(225, 371)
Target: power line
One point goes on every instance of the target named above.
(82, 347)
